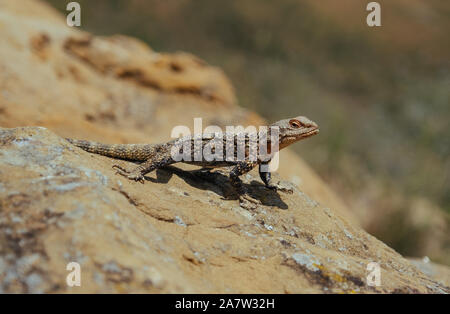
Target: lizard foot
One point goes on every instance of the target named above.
(282, 187)
(248, 202)
(120, 170)
(135, 175)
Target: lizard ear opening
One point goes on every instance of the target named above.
(295, 123)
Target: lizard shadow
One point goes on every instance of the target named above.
(218, 183)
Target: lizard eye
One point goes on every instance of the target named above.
(295, 123)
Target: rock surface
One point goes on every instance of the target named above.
(181, 231)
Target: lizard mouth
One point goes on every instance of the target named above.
(310, 133)
(304, 135)
(291, 139)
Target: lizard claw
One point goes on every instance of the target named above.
(138, 177)
(282, 187)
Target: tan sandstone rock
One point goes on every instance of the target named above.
(176, 233)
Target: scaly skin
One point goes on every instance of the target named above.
(154, 156)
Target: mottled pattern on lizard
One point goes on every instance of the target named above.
(154, 156)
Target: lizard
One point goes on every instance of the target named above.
(154, 156)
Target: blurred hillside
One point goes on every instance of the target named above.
(380, 95)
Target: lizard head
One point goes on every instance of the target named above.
(295, 129)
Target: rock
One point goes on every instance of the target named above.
(438, 272)
(183, 230)
(181, 73)
(60, 204)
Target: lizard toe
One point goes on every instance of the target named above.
(136, 177)
(120, 170)
(248, 202)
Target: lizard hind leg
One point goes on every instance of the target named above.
(245, 200)
(134, 174)
(137, 174)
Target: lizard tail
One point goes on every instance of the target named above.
(136, 152)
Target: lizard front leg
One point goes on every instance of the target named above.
(137, 174)
(241, 168)
(266, 177)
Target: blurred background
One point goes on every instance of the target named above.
(379, 94)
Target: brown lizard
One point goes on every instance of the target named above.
(154, 156)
